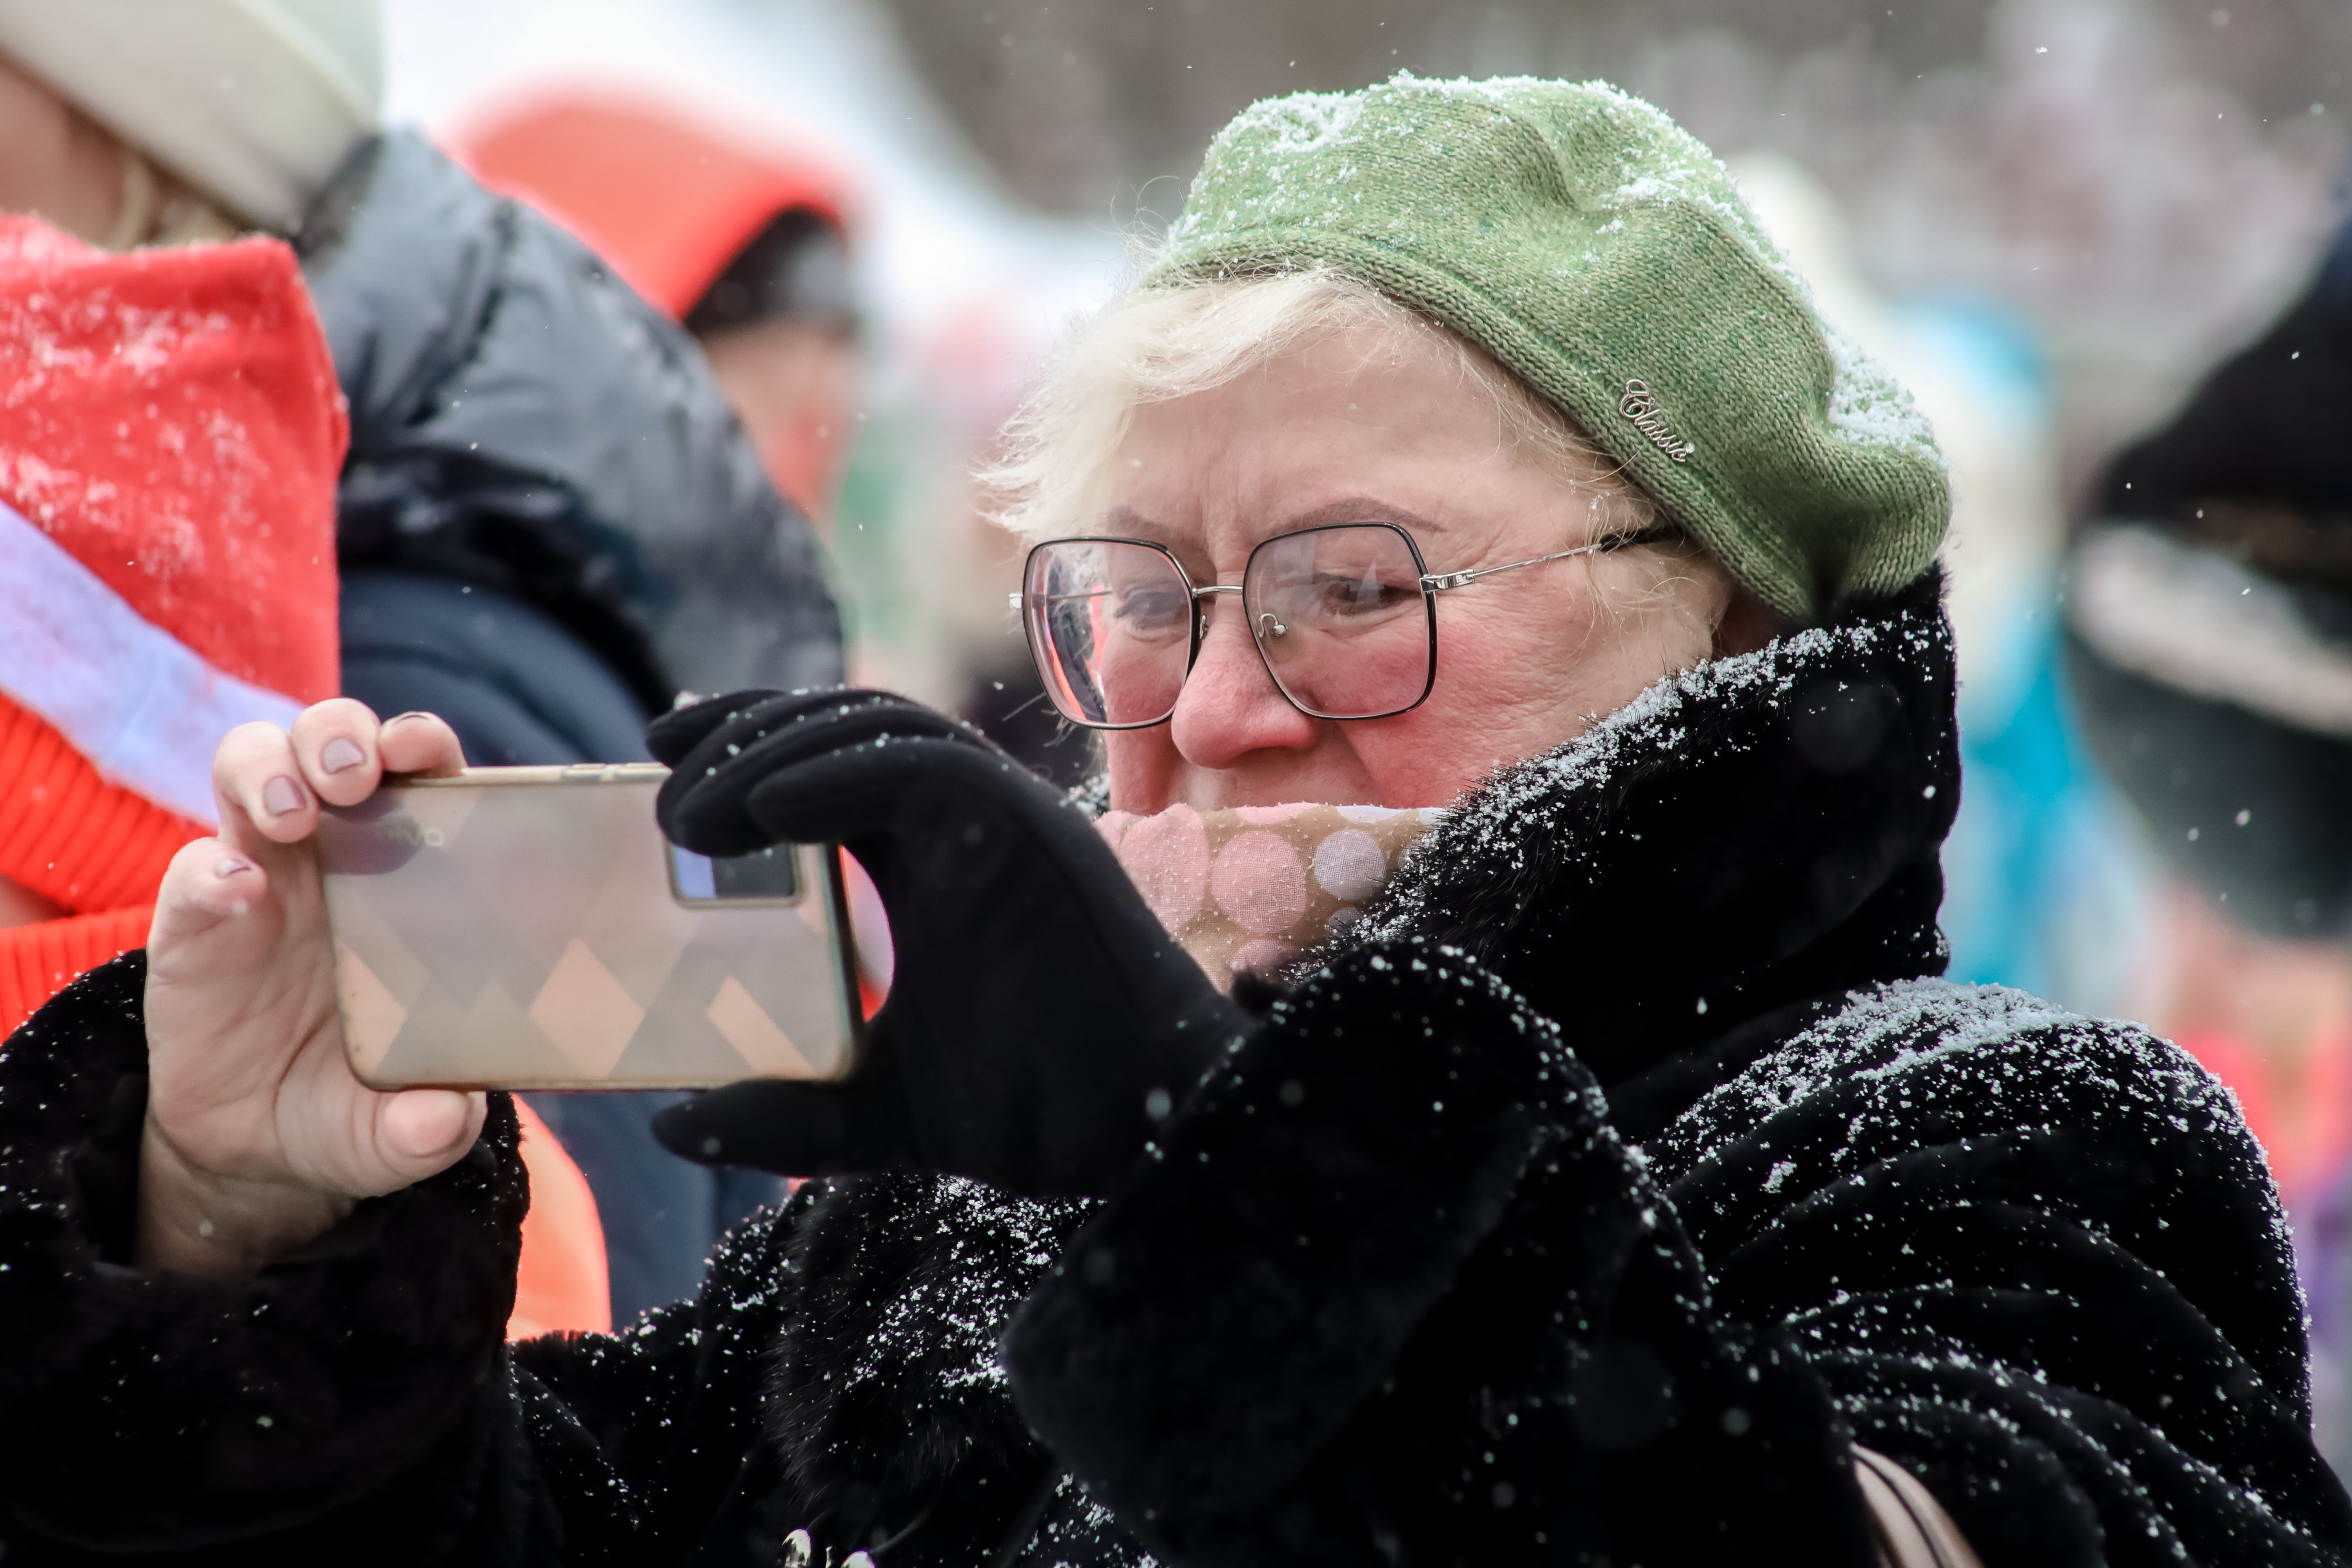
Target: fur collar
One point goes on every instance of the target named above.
(1752, 834)
(888, 1380)
(1756, 836)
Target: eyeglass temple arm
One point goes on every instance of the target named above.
(1438, 582)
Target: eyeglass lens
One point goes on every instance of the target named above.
(1340, 617)
(1111, 624)
(1337, 614)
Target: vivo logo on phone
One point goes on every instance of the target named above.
(407, 831)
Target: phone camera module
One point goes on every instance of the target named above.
(765, 876)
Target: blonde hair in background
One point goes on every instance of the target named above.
(1053, 475)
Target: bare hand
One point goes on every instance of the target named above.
(258, 1137)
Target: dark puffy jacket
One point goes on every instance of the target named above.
(549, 524)
(1629, 1167)
(516, 686)
(520, 420)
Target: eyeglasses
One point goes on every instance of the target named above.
(1344, 617)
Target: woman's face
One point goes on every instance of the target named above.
(1351, 429)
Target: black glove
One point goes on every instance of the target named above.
(1039, 1019)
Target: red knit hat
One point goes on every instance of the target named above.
(170, 436)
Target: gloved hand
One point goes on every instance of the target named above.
(1040, 1018)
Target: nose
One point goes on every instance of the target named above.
(1229, 706)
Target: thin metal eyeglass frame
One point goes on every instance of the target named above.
(1431, 584)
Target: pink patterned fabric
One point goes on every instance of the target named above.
(1255, 886)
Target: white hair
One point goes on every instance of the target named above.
(1053, 475)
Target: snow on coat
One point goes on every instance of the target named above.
(1629, 1166)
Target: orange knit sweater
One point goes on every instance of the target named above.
(70, 836)
(39, 960)
(77, 840)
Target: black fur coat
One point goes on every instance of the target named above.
(1629, 1168)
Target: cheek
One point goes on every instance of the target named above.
(1426, 757)
(1507, 689)
(1143, 764)
(1515, 679)
(1518, 652)
(1578, 647)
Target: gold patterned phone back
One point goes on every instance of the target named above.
(529, 928)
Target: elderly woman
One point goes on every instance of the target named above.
(1513, 621)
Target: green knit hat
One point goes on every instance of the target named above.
(1588, 243)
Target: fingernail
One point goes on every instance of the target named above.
(340, 754)
(405, 718)
(230, 864)
(280, 795)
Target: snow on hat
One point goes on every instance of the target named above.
(253, 102)
(170, 435)
(1601, 252)
(669, 201)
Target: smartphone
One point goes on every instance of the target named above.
(531, 928)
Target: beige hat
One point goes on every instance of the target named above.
(252, 102)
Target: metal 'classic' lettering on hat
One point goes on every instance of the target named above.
(1641, 405)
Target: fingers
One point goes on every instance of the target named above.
(702, 803)
(335, 744)
(345, 752)
(741, 717)
(845, 797)
(925, 788)
(271, 781)
(679, 732)
(946, 828)
(420, 744)
(258, 780)
(207, 883)
(421, 1132)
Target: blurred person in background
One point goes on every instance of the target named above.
(1586, 1163)
(169, 440)
(170, 436)
(2040, 883)
(746, 241)
(746, 246)
(548, 520)
(2211, 651)
(748, 249)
